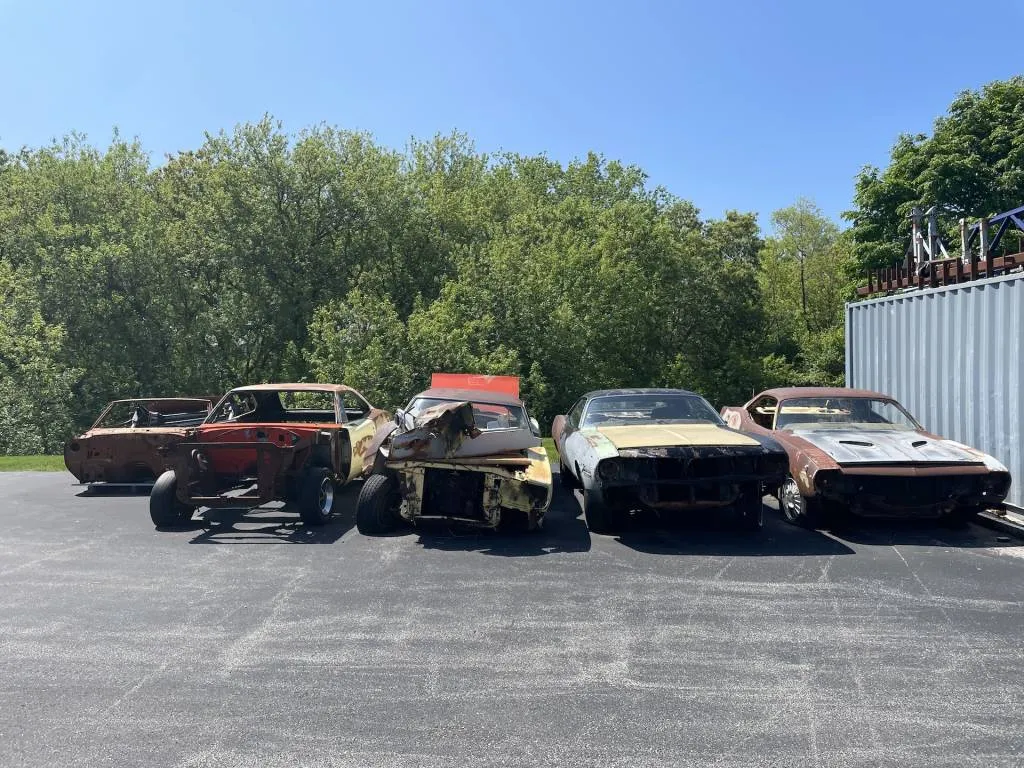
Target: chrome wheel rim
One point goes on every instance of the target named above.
(791, 501)
(326, 495)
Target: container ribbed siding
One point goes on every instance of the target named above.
(952, 356)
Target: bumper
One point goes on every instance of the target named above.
(475, 494)
(682, 479)
(922, 494)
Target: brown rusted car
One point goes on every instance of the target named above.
(296, 443)
(125, 445)
(863, 452)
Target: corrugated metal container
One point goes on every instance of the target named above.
(952, 356)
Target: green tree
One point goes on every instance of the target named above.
(35, 387)
(971, 166)
(805, 276)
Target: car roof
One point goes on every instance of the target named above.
(785, 393)
(302, 387)
(472, 395)
(206, 400)
(639, 391)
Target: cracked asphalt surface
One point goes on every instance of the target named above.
(251, 641)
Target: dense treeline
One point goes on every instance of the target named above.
(266, 256)
(323, 256)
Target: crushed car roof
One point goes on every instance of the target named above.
(471, 395)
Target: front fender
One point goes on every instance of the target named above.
(590, 447)
(557, 428)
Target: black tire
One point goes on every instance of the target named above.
(317, 494)
(565, 478)
(751, 510)
(796, 508)
(601, 518)
(165, 510)
(377, 507)
(380, 461)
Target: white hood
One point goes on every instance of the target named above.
(887, 447)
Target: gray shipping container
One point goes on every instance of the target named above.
(952, 356)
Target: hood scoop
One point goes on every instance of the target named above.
(885, 447)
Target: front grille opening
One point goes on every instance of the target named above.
(450, 493)
(914, 491)
(711, 468)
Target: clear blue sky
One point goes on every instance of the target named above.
(745, 105)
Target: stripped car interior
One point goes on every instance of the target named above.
(125, 445)
(296, 443)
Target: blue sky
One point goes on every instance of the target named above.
(744, 105)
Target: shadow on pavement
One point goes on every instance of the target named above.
(713, 536)
(923, 533)
(564, 531)
(135, 489)
(273, 525)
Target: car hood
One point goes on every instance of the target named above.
(848, 447)
(667, 435)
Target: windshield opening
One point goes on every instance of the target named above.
(138, 414)
(614, 410)
(843, 413)
(276, 407)
(486, 416)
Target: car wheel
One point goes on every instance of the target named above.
(377, 507)
(165, 509)
(601, 518)
(316, 496)
(795, 507)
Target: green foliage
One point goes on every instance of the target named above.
(35, 390)
(805, 276)
(971, 166)
(362, 342)
(262, 256)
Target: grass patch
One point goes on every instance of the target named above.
(32, 464)
(549, 446)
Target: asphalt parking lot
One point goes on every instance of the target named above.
(255, 642)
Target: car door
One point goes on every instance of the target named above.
(361, 429)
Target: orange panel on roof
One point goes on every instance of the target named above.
(508, 385)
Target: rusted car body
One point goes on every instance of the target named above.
(864, 452)
(296, 443)
(663, 450)
(467, 455)
(126, 444)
